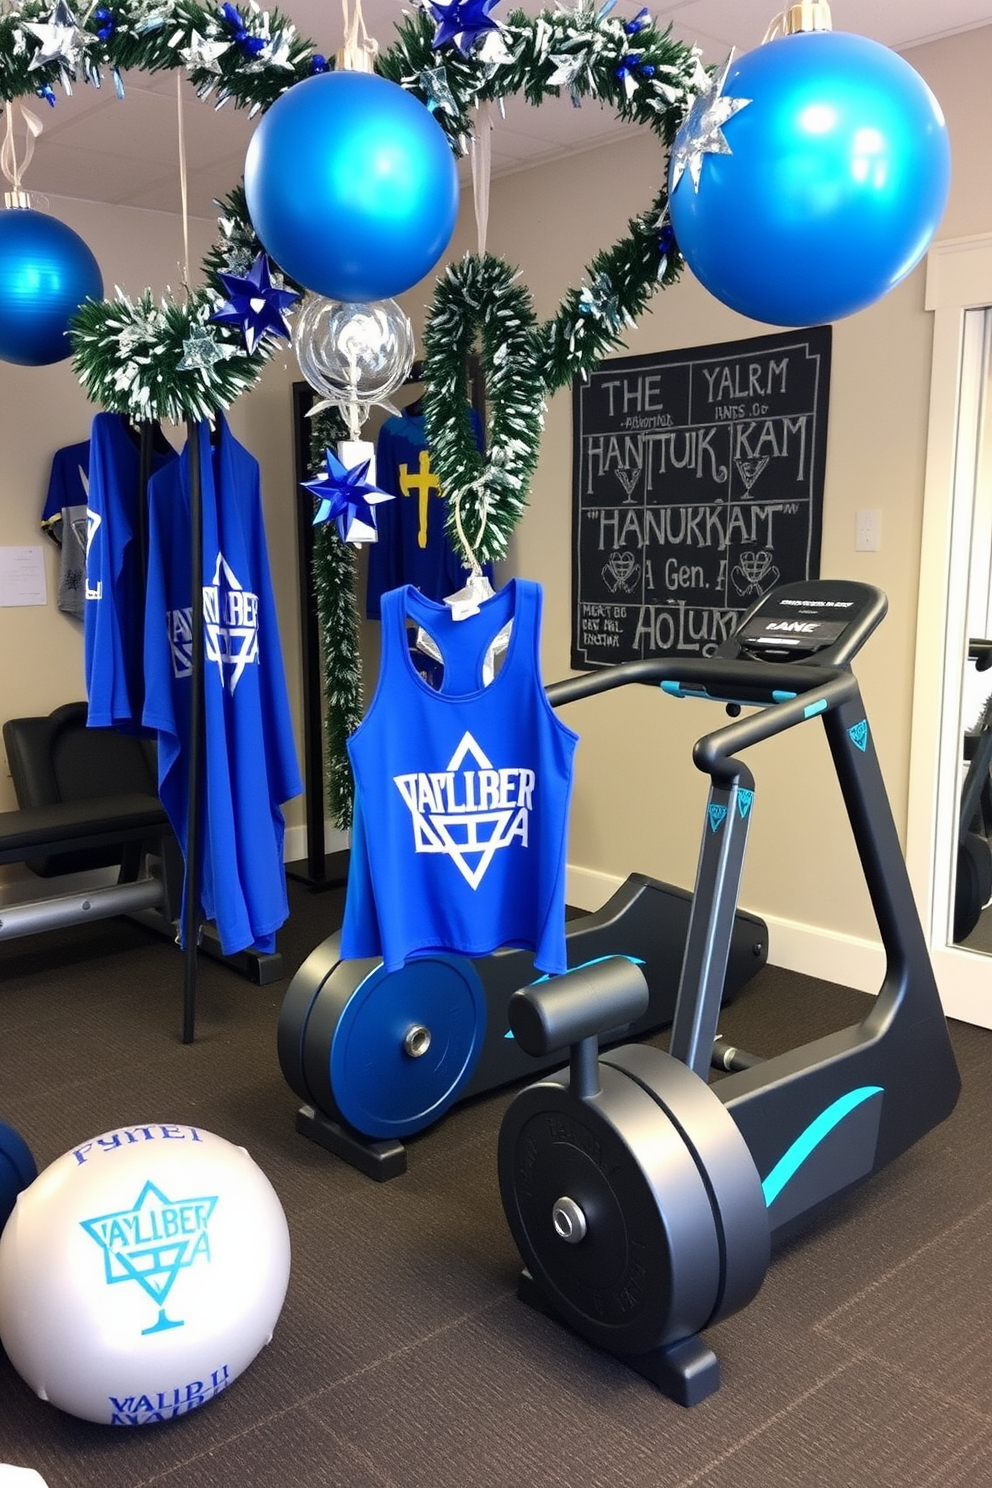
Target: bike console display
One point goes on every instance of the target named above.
(820, 622)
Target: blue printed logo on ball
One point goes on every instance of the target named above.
(151, 1242)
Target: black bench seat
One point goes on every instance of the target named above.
(83, 825)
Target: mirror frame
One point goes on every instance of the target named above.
(959, 278)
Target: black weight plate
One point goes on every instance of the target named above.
(355, 1061)
(301, 996)
(725, 1164)
(647, 1270)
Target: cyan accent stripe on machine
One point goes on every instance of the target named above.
(794, 1156)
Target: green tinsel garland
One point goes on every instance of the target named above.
(648, 78)
(479, 303)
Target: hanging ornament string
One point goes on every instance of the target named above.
(482, 165)
(13, 168)
(469, 549)
(357, 55)
(183, 187)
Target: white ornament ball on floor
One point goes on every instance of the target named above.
(141, 1273)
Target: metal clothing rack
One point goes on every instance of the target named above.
(259, 967)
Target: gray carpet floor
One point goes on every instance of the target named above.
(403, 1358)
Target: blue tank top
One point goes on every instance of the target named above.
(462, 794)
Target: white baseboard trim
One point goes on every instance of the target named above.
(295, 845)
(848, 960)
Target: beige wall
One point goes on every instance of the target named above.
(638, 801)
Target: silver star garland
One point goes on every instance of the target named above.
(434, 81)
(702, 133)
(201, 351)
(61, 43)
(204, 53)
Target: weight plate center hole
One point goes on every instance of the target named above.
(568, 1220)
(417, 1041)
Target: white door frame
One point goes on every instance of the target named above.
(959, 278)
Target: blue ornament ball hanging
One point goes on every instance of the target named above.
(811, 178)
(46, 272)
(351, 186)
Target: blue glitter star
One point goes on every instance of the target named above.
(346, 497)
(461, 21)
(254, 303)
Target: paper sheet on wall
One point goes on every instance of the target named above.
(22, 576)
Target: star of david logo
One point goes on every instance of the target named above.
(470, 838)
(151, 1242)
(230, 623)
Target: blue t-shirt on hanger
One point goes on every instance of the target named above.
(413, 546)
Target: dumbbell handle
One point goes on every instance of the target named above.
(567, 1009)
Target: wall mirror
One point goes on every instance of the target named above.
(949, 836)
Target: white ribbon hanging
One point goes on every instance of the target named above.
(482, 165)
(359, 49)
(13, 168)
(183, 187)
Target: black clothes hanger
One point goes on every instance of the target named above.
(416, 375)
(159, 443)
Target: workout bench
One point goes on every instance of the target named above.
(88, 799)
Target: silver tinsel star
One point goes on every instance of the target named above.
(276, 54)
(493, 52)
(434, 81)
(239, 260)
(702, 133)
(62, 43)
(567, 68)
(204, 53)
(201, 351)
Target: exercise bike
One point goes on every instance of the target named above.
(645, 1201)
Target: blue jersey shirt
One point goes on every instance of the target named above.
(412, 546)
(63, 517)
(113, 618)
(462, 794)
(250, 764)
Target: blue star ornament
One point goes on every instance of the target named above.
(346, 497)
(702, 132)
(461, 21)
(254, 303)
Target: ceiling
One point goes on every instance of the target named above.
(100, 148)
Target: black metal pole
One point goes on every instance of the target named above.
(313, 733)
(191, 906)
(146, 439)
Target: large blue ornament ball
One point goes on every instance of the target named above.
(836, 181)
(351, 186)
(46, 272)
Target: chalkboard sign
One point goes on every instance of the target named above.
(697, 486)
